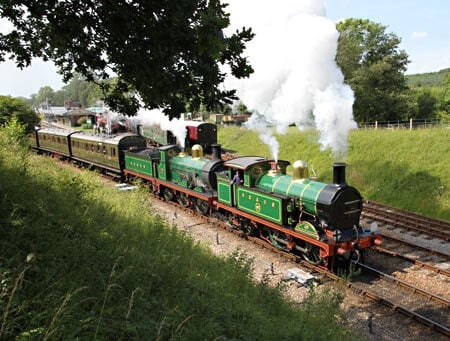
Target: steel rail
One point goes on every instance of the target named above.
(405, 219)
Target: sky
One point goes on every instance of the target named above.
(422, 25)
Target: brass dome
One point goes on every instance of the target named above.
(197, 151)
(300, 170)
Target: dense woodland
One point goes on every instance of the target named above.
(432, 93)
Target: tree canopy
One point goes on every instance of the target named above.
(374, 66)
(169, 52)
(14, 108)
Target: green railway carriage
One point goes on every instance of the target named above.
(104, 150)
(54, 141)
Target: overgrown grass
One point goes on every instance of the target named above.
(402, 168)
(79, 260)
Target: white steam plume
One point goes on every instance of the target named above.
(156, 117)
(296, 79)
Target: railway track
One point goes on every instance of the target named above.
(425, 298)
(422, 264)
(432, 260)
(406, 220)
(419, 304)
(397, 243)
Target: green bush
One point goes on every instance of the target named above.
(81, 121)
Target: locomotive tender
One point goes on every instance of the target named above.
(197, 132)
(315, 220)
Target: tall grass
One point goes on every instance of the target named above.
(402, 168)
(80, 260)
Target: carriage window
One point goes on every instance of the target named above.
(113, 152)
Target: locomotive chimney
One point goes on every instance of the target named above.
(216, 151)
(339, 173)
(273, 169)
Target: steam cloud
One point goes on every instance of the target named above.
(157, 117)
(296, 79)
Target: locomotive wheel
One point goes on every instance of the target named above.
(278, 239)
(167, 194)
(312, 255)
(201, 206)
(248, 228)
(182, 199)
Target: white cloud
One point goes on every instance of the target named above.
(419, 35)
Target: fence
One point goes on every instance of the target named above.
(411, 124)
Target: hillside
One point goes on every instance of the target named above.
(427, 79)
(402, 168)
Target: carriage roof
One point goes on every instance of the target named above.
(56, 131)
(109, 139)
